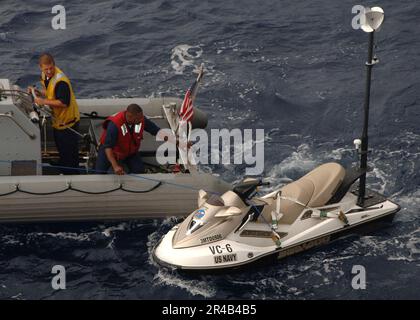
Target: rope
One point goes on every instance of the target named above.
(273, 231)
(70, 188)
(8, 194)
(93, 115)
(151, 189)
(158, 182)
(40, 193)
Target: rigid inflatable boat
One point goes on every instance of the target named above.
(32, 188)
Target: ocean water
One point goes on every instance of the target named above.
(295, 69)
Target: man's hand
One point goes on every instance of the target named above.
(111, 158)
(37, 92)
(39, 101)
(38, 96)
(118, 170)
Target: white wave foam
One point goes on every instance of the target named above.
(409, 203)
(10, 240)
(18, 296)
(154, 237)
(107, 232)
(194, 287)
(385, 163)
(184, 56)
(405, 247)
(165, 277)
(301, 160)
(64, 235)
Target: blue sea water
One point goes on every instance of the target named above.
(295, 69)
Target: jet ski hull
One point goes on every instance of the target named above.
(229, 254)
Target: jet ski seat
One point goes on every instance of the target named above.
(314, 189)
(326, 180)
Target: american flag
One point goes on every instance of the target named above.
(186, 112)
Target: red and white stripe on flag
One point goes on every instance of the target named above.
(187, 111)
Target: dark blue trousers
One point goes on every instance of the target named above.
(67, 143)
(134, 163)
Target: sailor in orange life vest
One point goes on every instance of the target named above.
(57, 93)
(121, 139)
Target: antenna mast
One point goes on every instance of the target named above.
(373, 19)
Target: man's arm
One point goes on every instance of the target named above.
(150, 127)
(38, 93)
(111, 158)
(154, 130)
(51, 103)
(62, 94)
(111, 140)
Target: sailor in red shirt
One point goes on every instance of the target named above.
(121, 140)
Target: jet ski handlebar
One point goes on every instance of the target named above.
(247, 188)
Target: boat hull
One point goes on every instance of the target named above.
(102, 197)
